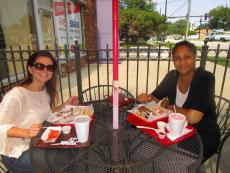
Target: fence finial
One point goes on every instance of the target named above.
(205, 42)
(204, 54)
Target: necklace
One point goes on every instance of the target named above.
(183, 82)
(183, 86)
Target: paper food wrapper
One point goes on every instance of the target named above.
(51, 134)
(150, 112)
(67, 114)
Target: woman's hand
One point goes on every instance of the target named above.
(34, 130)
(72, 101)
(164, 102)
(24, 133)
(144, 98)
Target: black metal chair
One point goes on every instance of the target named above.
(223, 119)
(103, 92)
(3, 169)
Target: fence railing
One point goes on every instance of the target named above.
(141, 69)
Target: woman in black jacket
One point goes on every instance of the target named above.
(191, 90)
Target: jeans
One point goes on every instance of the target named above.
(20, 165)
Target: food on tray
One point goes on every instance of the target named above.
(143, 112)
(87, 111)
(150, 112)
(81, 110)
(65, 112)
(68, 114)
(53, 134)
(158, 110)
(163, 102)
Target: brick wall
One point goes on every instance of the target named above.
(90, 26)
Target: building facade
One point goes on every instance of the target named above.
(38, 24)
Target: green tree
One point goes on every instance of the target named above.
(139, 20)
(146, 5)
(135, 24)
(219, 18)
(179, 27)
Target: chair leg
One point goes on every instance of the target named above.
(218, 158)
(217, 163)
(3, 168)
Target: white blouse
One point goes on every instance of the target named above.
(21, 108)
(180, 97)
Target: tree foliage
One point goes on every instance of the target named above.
(146, 5)
(219, 18)
(138, 20)
(179, 27)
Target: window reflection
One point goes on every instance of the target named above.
(47, 28)
(17, 23)
(17, 29)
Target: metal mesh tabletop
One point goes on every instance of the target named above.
(127, 150)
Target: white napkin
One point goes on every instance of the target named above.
(172, 138)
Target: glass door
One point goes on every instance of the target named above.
(46, 29)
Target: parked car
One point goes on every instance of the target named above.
(219, 35)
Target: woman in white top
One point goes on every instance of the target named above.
(25, 108)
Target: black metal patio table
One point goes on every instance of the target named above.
(127, 150)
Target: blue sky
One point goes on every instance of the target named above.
(198, 7)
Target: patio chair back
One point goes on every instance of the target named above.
(223, 119)
(3, 169)
(100, 92)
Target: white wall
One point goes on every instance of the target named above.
(104, 24)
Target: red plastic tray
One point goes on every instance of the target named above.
(136, 121)
(64, 137)
(123, 99)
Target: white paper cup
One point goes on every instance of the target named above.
(81, 123)
(66, 129)
(177, 123)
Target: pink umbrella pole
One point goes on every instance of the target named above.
(115, 64)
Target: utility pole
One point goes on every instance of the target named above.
(200, 25)
(188, 18)
(166, 2)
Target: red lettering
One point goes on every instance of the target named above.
(59, 8)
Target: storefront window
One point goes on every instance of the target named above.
(68, 26)
(17, 28)
(57, 22)
(17, 23)
(47, 28)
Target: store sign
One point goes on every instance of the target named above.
(68, 29)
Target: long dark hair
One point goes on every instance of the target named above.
(50, 85)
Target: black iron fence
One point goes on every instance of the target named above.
(141, 69)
